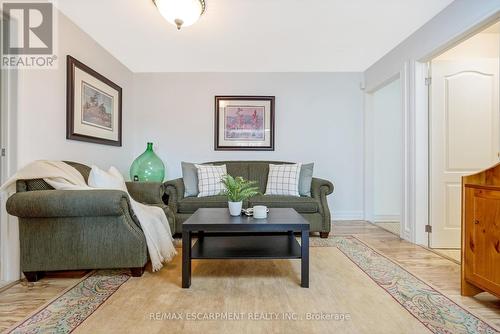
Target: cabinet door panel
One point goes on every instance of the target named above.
(485, 239)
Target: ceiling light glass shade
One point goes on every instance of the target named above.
(181, 13)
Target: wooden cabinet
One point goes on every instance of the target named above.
(481, 232)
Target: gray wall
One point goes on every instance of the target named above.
(41, 98)
(40, 129)
(387, 145)
(319, 118)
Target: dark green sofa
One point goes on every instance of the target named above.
(87, 229)
(314, 209)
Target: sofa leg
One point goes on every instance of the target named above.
(323, 235)
(33, 276)
(137, 271)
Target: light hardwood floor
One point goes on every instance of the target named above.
(453, 254)
(22, 299)
(393, 227)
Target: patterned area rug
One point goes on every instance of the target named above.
(435, 311)
(69, 310)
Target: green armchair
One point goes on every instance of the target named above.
(87, 229)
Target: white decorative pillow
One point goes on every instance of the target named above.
(210, 179)
(283, 180)
(111, 179)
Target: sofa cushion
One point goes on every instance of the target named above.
(283, 180)
(259, 171)
(305, 179)
(300, 204)
(191, 204)
(210, 179)
(190, 178)
(233, 168)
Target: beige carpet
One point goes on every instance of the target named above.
(337, 287)
(353, 289)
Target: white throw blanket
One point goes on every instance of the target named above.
(62, 176)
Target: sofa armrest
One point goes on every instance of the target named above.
(319, 186)
(146, 192)
(175, 192)
(319, 190)
(68, 203)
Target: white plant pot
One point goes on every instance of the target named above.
(235, 208)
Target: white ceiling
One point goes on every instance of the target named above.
(253, 35)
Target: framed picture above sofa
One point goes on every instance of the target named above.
(93, 106)
(244, 123)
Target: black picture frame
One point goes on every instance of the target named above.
(218, 146)
(71, 134)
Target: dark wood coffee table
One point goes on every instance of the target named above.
(221, 236)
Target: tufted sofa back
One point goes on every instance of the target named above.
(250, 170)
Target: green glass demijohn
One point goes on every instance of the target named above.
(147, 167)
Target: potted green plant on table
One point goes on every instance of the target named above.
(237, 189)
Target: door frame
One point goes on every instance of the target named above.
(9, 235)
(9, 230)
(419, 105)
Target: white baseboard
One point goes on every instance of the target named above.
(348, 215)
(386, 218)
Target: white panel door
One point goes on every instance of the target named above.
(464, 137)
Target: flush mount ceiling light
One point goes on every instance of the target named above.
(181, 13)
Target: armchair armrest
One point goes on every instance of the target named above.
(175, 191)
(68, 203)
(146, 192)
(319, 185)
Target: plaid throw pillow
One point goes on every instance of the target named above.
(283, 180)
(209, 179)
